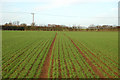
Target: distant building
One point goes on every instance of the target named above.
(16, 23)
(57, 25)
(92, 27)
(51, 25)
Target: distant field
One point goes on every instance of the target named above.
(39, 54)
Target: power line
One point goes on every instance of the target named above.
(41, 14)
(55, 15)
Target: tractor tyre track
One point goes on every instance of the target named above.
(51, 71)
(81, 66)
(100, 60)
(95, 69)
(99, 66)
(40, 60)
(33, 63)
(45, 68)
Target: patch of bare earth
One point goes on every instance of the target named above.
(45, 68)
(51, 71)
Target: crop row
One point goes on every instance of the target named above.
(67, 61)
(28, 60)
(72, 59)
(110, 71)
(59, 55)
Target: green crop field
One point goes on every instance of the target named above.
(50, 54)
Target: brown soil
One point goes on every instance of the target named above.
(51, 71)
(45, 68)
(41, 59)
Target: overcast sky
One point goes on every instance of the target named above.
(67, 12)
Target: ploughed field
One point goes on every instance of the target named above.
(40, 54)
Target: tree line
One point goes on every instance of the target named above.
(54, 27)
